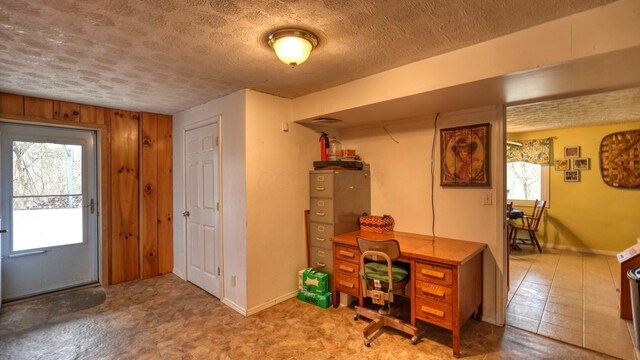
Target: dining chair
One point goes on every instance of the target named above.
(509, 210)
(528, 223)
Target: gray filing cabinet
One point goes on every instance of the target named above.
(338, 198)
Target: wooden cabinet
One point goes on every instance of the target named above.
(625, 291)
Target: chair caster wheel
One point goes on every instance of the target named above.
(367, 343)
(414, 340)
(356, 317)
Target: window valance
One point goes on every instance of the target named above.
(536, 151)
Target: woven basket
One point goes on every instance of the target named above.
(376, 224)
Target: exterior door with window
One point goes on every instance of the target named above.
(48, 208)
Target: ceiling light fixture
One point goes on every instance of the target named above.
(292, 46)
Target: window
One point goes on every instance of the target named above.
(526, 182)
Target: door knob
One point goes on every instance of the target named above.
(91, 206)
(3, 231)
(185, 214)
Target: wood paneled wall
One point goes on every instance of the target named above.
(125, 236)
(156, 203)
(135, 180)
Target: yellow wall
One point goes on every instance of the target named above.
(588, 214)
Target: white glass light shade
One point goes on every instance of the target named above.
(292, 50)
(292, 46)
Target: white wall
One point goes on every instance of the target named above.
(401, 187)
(602, 30)
(278, 164)
(232, 108)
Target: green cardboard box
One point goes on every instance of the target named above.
(322, 300)
(315, 282)
(300, 275)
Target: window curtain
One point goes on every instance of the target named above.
(532, 151)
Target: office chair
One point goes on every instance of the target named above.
(381, 279)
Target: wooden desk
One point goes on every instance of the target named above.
(446, 276)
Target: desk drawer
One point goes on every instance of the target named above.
(320, 235)
(346, 268)
(434, 273)
(431, 291)
(434, 312)
(347, 284)
(321, 259)
(322, 210)
(321, 185)
(347, 254)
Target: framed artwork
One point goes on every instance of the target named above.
(572, 175)
(571, 152)
(563, 164)
(465, 156)
(582, 164)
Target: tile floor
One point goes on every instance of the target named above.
(569, 296)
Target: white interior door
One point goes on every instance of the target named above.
(202, 207)
(48, 208)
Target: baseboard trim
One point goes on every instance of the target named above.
(234, 306)
(180, 274)
(580, 249)
(270, 303)
(490, 320)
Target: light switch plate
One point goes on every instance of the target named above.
(487, 199)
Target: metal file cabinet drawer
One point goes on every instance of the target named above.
(322, 210)
(321, 185)
(321, 259)
(320, 235)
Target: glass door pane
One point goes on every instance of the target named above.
(47, 195)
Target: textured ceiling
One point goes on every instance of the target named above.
(169, 55)
(597, 109)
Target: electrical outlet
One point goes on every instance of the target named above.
(233, 280)
(487, 199)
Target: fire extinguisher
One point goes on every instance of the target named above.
(324, 146)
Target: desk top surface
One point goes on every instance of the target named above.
(425, 247)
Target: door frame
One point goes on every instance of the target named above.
(102, 163)
(213, 120)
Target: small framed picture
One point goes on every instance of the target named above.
(563, 164)
(582, 164)
(571, 152)
(572, 175)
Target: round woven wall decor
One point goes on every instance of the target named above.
(620, 159)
